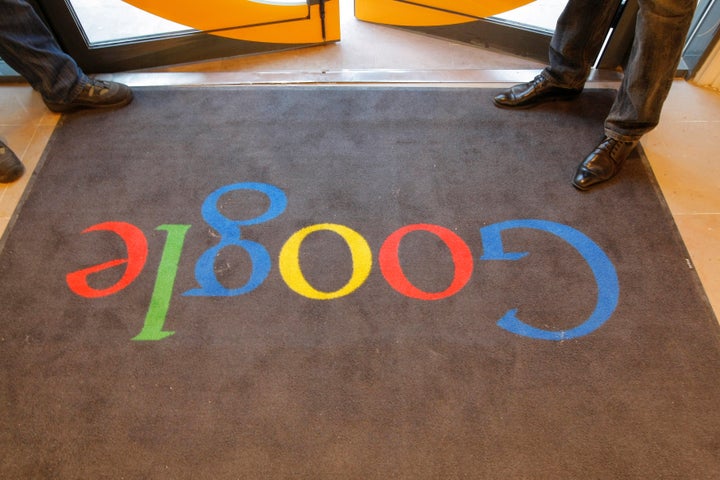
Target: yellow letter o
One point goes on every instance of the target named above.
(292, 273)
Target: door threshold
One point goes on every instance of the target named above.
(475, 77)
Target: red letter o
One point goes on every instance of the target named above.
(392, 271)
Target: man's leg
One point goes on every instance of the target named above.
(578, 38)
(27, 46)
(660, 32)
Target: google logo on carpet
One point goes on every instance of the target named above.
(230, 233)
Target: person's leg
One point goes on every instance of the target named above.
(27, 45)
(579, 35)
(578, 38)
(29, 48)
(660, 32)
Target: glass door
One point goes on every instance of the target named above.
(540, 14)
(114, 35)
(520, 27)
(704, 33)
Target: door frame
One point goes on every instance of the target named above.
(148, 51)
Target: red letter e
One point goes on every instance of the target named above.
(137, 251)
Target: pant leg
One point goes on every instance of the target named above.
(660, 32)
(27, 45)
(579, 35)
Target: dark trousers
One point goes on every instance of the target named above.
(660, 30)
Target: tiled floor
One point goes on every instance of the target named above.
(25, 127)
(682, 150)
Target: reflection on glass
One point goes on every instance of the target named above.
(542, 14)
(702, 32)
(115, 20)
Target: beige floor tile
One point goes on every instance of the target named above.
(28, 142)
(20, 104)
(684, 159)
(701, 234)
(689, 102)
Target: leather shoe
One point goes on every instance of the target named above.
(10, 166)
(603, 163)
(537, 91)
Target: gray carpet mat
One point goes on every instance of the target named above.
(346, 282)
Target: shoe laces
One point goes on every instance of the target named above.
(613, 146)
(97, 87)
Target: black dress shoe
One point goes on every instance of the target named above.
(537, 91)
(10, 166)
(603, 163)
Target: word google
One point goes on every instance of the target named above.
(230, 232)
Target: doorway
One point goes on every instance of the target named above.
(117, 35)
(519, 27)
(121, 35)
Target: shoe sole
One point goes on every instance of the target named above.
(582, 189)
(59, 108)
(535, 103)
